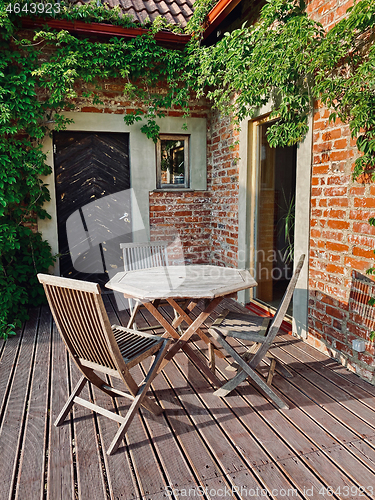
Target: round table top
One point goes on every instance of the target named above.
(193, 281)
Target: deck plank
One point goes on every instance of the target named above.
(193, 447)
(89, 467)
(326, 438)
(149, 474)
(60, 475)
(150, 478)
(15, 409)
(352, 413)
(335, 471)
(349, 382)
(8, 358)
(178, 473)
(252, 437)
(232, 444)
(273, 477)
(337, 368)
(120, 477)
(30, 482)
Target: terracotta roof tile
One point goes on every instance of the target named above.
(174, 11)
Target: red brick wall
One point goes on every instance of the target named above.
(205, 221)
(223, 183)
(328, 12)
(341, 238)
(185, 215)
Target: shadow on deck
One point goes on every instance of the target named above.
(202, 446)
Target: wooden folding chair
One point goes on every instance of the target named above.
(261, 331)
(142, 256)
(82, 321)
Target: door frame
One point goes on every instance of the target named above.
(248, 193)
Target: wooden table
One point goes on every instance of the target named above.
(195, 282)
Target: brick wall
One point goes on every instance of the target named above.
(328, 12)
(341, 238)
(185, 215)
(223, 183)
(205, 221)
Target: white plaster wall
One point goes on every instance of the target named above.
(142, 162)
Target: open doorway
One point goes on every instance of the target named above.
(274, 214)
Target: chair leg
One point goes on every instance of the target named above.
(138, 400)
(248, 371)
(271, 371)
(229, 386)
(211, 353)
(233, 383)
(68, 405)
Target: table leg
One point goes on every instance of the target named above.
(164, 323)
(201, 364)
(192, 328)
(186, 348)
(189, 321)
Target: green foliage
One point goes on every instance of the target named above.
(288, 59)
(267, 61)
(38, 81)
(22, 193)
(345, 78)
(196, 24)
(26, 256)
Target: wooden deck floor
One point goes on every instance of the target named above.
(201, 447)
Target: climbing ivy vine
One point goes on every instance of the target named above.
(285, 57)
(289, 59)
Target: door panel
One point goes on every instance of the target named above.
(93, 207)
(275, 219)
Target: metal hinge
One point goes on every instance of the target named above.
(54, 148)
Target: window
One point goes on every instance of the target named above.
(172, 161)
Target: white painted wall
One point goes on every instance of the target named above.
(142, 161)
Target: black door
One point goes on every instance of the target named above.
(92, 176)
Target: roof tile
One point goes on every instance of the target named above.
(174, 11)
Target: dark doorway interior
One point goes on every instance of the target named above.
(92, 174)
(275, 224)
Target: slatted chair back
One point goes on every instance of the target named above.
(255, 329)
(144, 255)
(97, 347)
(80, 316)
(360, 311)
(278, 318)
